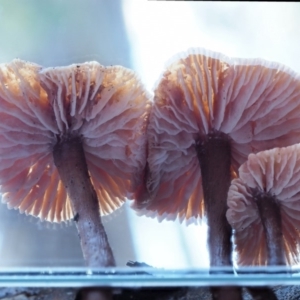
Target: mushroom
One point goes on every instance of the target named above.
(264, 208)
(73, 145)
(209, 113)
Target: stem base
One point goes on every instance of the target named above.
(70, 161)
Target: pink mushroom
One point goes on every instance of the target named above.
(72, 144)
(264, 208)
(209, 113)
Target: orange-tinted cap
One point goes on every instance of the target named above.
(275, 172)
(107, 107)
(256, 103)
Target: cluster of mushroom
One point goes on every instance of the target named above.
(81, 139)
(211, 112)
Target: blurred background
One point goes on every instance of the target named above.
(141, 35)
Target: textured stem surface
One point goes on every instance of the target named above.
(70, 161)
(215, 157)
(94, 294)
(226, 293)
(269, 212)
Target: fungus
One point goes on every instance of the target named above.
(209, 113)
(72, 145)
(264, 208)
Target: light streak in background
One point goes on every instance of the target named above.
(159, 29)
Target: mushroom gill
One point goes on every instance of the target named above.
(72, 144)
(264, 208)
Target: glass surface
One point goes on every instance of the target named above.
(147, 277)
(141, 35)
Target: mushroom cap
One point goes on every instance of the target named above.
(107, 107)
(255, 102)
(276, 172)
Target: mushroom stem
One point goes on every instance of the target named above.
(214, 156)
(70, 161)
(270, 216)
(94, 294)
(226, 292)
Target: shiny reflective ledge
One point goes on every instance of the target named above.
(147, 277)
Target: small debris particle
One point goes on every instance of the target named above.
(76, 217)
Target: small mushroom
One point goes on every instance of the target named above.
(72, 144)
(209, 113)
(264, 208)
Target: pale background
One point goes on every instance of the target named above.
(141, 35)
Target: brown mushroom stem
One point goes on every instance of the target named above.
(70, 161)
(270, 216)
(226, 292)
(215, 157)
(94, 294)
